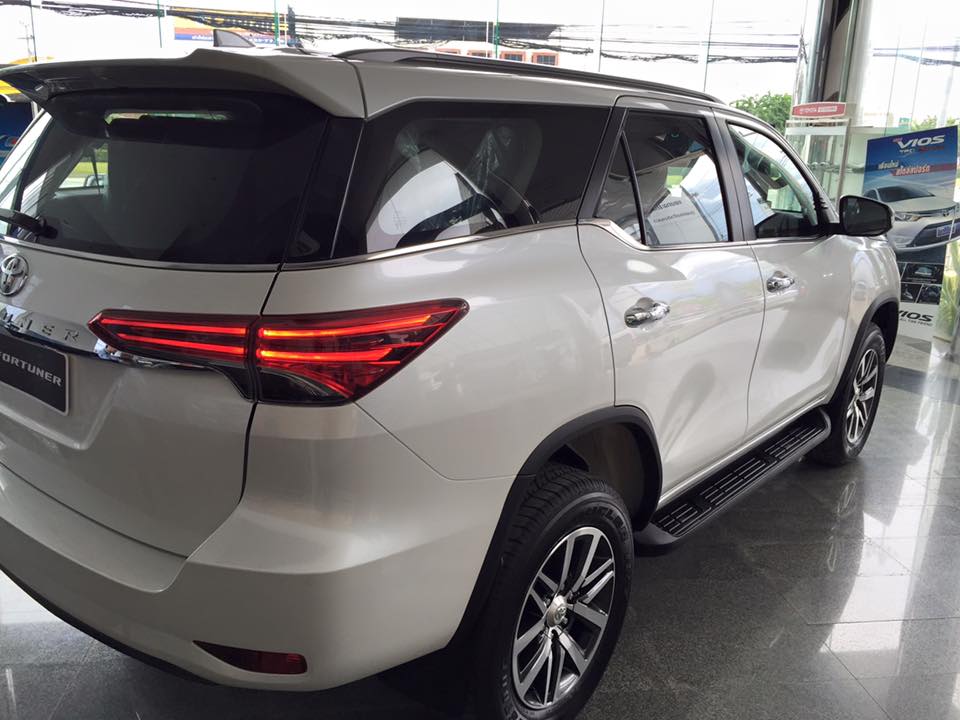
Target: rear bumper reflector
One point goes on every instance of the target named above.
(258, 661)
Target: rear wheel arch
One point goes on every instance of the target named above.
(590, 443)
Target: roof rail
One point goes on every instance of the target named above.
(419, 57)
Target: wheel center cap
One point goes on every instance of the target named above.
(558, 612)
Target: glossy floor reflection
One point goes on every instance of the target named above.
(826, 594)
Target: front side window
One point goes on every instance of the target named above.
(185, 177)
(676, 178)
(781, 200)
(434, 171)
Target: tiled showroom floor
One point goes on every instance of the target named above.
(827, 594)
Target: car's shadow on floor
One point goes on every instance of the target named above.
(110, 685)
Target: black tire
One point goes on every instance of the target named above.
(838, 448)
(561, 502)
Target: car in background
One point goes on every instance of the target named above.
(920, 218)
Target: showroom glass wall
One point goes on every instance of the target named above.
(730, 48)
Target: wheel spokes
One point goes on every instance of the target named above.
(530, 673)
(522, 642)
(563, 617)
(587, 562)
(591, 594)
(574, 651)
(595, 617)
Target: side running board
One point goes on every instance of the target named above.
(675, 521)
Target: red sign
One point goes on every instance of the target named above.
(819, 109)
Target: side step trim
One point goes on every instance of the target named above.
(701, 503)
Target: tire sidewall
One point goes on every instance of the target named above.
(596, 509)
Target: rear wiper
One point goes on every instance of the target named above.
(37, 226)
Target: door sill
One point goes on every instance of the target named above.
(719, 491)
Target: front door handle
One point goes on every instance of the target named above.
(645, 311)
(780, 281)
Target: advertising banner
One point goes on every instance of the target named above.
(947, 320)
(185, 29)
(14, 118)
(916, 175)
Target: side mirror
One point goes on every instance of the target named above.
(863, 216)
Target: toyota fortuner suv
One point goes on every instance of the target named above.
(311, 366)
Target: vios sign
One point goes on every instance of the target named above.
(921, 141)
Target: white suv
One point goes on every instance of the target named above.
(312, 366)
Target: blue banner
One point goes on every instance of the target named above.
(916, 175)
(14, 118)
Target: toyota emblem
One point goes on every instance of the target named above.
(13, 274)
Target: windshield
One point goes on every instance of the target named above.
(185, 177)
(892, 193)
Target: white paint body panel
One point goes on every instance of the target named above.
(330, 554)
(803, 325)
(172, 491)
(531, 354)
(689, 372)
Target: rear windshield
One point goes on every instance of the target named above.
(181, 177)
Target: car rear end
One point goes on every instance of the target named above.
(183, 471)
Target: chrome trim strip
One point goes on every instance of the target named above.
(611, 227)
(426, 247)
(133, 262)
(680, 487)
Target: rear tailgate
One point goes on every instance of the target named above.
(156, 454)
(178, 196)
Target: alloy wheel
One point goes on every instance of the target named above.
(563, 617)
(864, 395)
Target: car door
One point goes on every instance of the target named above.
(806, 277)
(681, 291)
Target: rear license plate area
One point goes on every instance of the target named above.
(35, 370)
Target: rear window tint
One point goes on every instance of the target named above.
(180, 177)
(433, 171)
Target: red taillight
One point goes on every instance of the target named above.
(258, 661)
(328, 358)
(179, 338)
(347, 353)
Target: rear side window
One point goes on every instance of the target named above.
(185, 177)
(677, 179)
(434, 171)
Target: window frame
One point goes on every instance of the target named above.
(616, 138)
(825, 219)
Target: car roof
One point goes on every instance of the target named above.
(389, 77)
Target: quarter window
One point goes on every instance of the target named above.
(676, 179)
(618, 202)
(435, 171)
(781, 200)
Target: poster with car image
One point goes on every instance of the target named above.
(14, 118)
(916, 175)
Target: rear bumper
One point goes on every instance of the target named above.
(346, 548)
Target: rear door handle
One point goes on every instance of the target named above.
(645, 311)
(780, 281)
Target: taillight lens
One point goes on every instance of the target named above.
(345, 355)
(329, 358)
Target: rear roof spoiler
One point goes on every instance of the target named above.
(328, 82)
